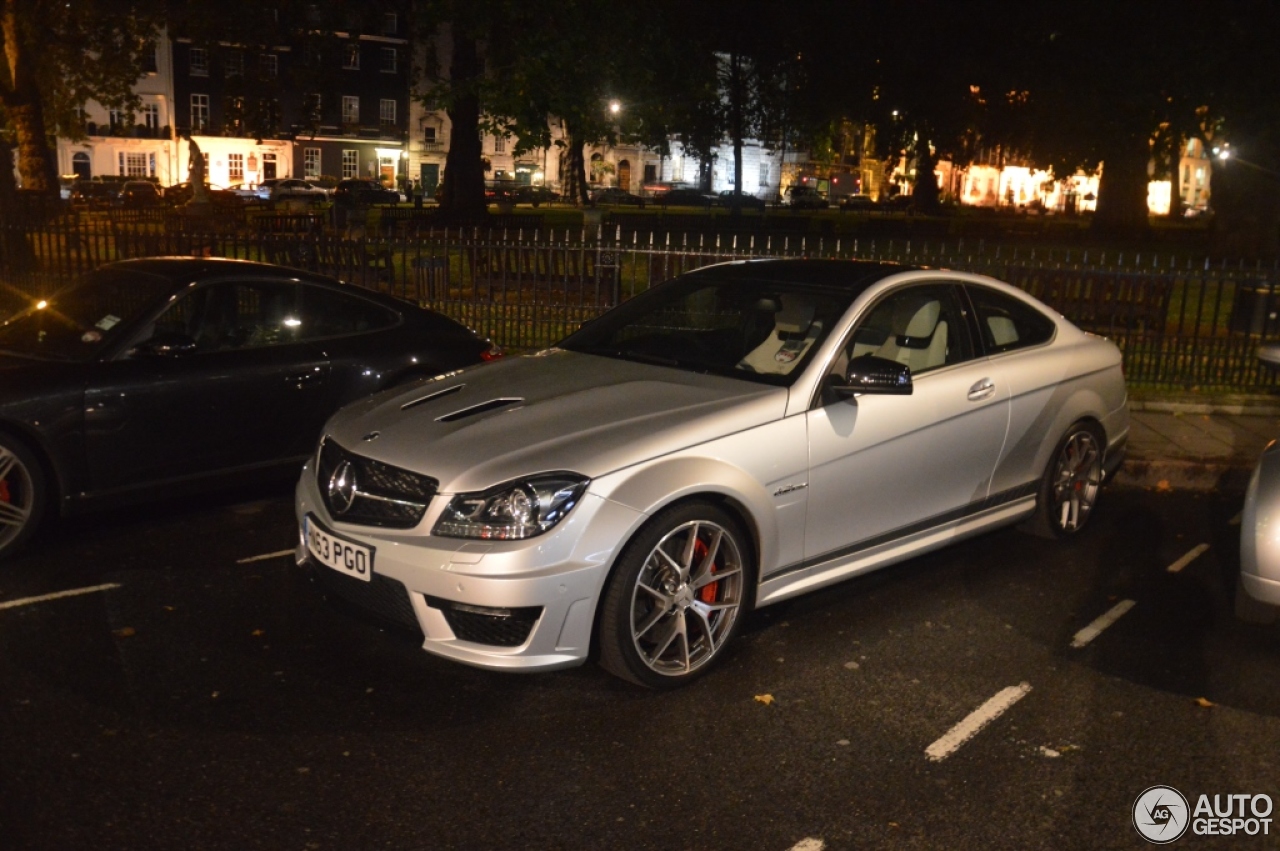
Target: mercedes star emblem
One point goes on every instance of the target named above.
(342, 488)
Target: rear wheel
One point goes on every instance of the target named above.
(22, 494)
(677, 597)
(1071, 483)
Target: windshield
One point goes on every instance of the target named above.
(758, 330)
(81, 320)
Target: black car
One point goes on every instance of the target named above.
(534, 195)
(95, 194)
(136, 194)
(168, 375)
(361, 191)
(684, 198)
(616, 195)
(732, 200)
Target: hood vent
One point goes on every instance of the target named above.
(483, 407)
(436, 395)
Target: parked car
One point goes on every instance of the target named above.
(135, 194)
(95, 194)
(726, 440)
(535, 195)
(181, 193)
(362, 191)
(729, 198)
(857, 203)
(251, 193)
(1258, 589)
(684, 198)
(617, 196)
(802, 197)
(157, 376)
(295, 189)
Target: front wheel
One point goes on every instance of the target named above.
(22, 494)
(677, 596)
(1071, 483)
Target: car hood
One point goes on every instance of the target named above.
(557, 410)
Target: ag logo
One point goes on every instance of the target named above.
(1161, 815)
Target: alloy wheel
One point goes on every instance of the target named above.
(1077, 477)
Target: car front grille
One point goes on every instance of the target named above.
(382, 495)
(384, 598)
(482, 625)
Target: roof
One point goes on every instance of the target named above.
(847, 275)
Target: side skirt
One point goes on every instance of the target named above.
(800, 579)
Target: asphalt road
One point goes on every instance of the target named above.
(203, 701)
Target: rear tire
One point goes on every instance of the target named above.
(1071, 483)
(23, 494)
(677, 596)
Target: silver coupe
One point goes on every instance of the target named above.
(731, 438)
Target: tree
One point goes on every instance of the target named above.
(60, 54)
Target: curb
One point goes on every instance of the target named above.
(1253, 406)
(1176, 475)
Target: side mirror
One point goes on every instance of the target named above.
(874, 375)
(166, 345)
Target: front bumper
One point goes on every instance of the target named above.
(1260, 530)
(474, 600)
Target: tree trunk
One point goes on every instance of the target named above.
(924, 193)
(21, 100)
(737, 87)
(574, 176)
(1176, 144)
(1122, 188)
(462, 190)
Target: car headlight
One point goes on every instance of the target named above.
(514, 510)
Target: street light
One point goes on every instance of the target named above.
(614, 107)
(1225, 153)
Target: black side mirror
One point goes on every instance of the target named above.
(874, 375)
(166, 345)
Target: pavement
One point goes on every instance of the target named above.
(1197, 443)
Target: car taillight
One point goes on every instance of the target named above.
(492, 353)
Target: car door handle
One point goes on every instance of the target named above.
(984, 389)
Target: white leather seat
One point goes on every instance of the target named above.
(794, 332)
(919, 339)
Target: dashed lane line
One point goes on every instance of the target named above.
(1191, 556)
(58, 595)
(808, 844)
(264, 557)
(976, 720)
(1093, 630)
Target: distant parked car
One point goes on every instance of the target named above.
(250, 193)
(731, 199)
(1258, 587)
(617, 196)
(295, 189)
(857, 203)
(138, 193)
(177, 374)
(181, 193)
(359, 190)
(685, 198)
(534, 195)
(802, 197)
(94, 194)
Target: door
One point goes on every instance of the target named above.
(268, 166)
(430, 175)
(249, 393)
(624, 174)
(886, 466)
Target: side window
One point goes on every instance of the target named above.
(230, 316)
(921, 327)
(1006, 322)
(326, 313)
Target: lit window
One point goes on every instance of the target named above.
(499, 144)
(235, 168)
(351, 57)
(311, 163)
(199, 61)
(136, 164)
(199, 112)
(350, 109)
(387, 111)
(350, 164)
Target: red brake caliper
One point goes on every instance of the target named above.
(4, 491)
(708, 592)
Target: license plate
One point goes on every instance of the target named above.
(343, 555)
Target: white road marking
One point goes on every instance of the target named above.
(58, 595)
(1194, 554)
(977, 719)
(1093, 630)
(810, 844)
(264, 557)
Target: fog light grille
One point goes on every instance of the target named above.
(498, 627)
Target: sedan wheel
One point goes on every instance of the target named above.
(676, 598)
(1071, 483)
(21, 494)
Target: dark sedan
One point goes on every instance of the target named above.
(168, 375)
(732, 200)
(358, 190)
(685, 198)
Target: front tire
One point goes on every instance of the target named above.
(22, 494)
(677, 597)
(1069, 489)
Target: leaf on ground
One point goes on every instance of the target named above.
(124, 632)
(258, 632)
(1163, 486)
(766, 699)
(1204, 702)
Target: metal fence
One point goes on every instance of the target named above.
(1181, 323)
